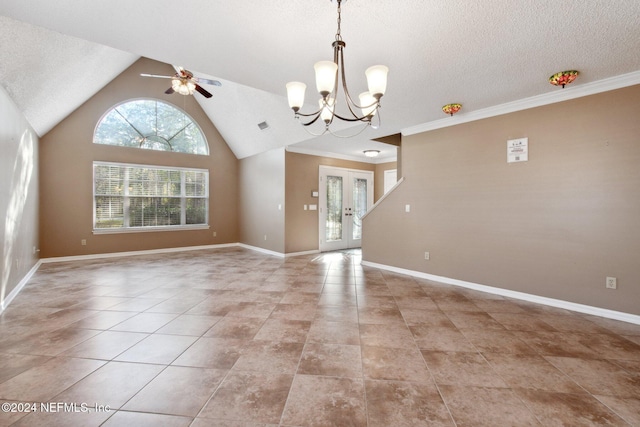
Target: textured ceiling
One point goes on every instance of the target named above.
(55, 55)
(49, 75)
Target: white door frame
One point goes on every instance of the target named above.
(348, 214)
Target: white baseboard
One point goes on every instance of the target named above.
(169, 250)
(132, 253)
(291, 254)
(581, 308)
(278, 254)
(262, 250)
(27, 277)
(15, 291)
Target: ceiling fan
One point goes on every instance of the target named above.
(185, 83)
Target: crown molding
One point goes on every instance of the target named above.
(570, 92)
(320, 153)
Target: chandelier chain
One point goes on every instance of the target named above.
(338, 35)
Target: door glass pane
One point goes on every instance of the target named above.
(359, 205)
(334, 209)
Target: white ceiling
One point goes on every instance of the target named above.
(56, 55)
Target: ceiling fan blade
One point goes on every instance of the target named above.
(209, 82)
(203, 91)
(155, 75)
(169, 91)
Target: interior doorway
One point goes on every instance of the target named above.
(345, 196)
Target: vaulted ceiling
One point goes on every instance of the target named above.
(56, 55)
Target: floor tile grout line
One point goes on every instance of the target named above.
(623, 417)
(293, 379)
(510, 387)
(480, 353)
(224, 378)
(435, 383)
(230, 369)
(362, 366)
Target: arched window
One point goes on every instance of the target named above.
(153, 125)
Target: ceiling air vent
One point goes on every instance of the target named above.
(263, 125)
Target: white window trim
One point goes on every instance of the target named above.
(128, 229)
(149, 229)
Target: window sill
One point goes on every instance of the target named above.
(150, 229)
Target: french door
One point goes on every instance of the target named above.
(345, 196)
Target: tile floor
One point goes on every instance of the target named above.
(232, 337)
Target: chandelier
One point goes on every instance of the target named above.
(329, 75)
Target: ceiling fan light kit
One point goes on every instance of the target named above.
(183, 86)
(330, 76)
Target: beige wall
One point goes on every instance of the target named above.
(261, 204)
(67, 153)
(302, 172)
(554, 226)
(18, 196)
(378, 177)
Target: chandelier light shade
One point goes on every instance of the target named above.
(326, 109)
(563, 78)
(325, 76)
(366, 98)
(451, 109)
(377, 80)
(332, 88)
(295, 94)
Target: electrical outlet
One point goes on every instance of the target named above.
(265, 237)
(612, 283)
(215, 234)
(426, 255)
(83, 242)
